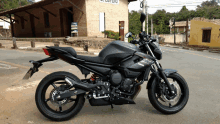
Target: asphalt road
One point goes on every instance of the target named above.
(200, 69)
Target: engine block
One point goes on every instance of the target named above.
(104, 89)
(127, 85)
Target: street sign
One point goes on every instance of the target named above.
(110, 1)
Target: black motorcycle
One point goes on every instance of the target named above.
(117, 73)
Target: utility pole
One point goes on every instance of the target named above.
(152, 26)
(147, 18)
(174, 33)
(187, 30)
(144, 12)
(170, 26)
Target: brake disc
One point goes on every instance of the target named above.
(165, 97)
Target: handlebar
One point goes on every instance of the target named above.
(143, 39)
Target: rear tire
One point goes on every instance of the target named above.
(42, 105)
(181, 102)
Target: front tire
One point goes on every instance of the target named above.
(43, 103)
(156, 96)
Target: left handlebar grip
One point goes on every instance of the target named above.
(134, 42)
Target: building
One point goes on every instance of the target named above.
(180, 27)
(205, 32)
(56, 16)
(4, 24)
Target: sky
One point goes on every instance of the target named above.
(163, 4)
(175, 6)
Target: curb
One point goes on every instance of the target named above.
(41, 50)
(197, 49)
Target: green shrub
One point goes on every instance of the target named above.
(112, 34)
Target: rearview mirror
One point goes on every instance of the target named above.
(143, 17)
(129, 34)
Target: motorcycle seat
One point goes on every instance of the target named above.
(67, 49)
(94, 59)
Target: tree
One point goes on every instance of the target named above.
(208, 9)
(184, 9)
(134, 22)
(209, 3)
(12, 4)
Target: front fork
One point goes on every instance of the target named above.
(162, 74)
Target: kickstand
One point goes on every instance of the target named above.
(112, 106)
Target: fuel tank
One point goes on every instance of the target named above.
(116, 51)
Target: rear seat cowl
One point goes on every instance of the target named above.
(67, 49)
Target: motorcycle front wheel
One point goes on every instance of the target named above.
(161, 99)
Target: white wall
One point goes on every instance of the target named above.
(4, 24)
(169, 38)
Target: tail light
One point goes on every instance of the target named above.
(46, 51)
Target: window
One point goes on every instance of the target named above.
(46, 20)
(101, 21)
(22, 22)
(206, 36)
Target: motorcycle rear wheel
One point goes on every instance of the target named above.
(155, 97)
(45, 105)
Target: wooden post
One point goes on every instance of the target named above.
(12, 26)
(187, 30)
(14, 43)
(56, 43)
(121, 30)
(32, 44)
(86, 48)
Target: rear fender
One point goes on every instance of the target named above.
(154, 77)
(36, 65)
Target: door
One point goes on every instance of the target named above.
(32, 25)
(61, 23)
(65, 21)
(69, 21)
(101, 21)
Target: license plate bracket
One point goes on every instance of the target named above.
(28, 74)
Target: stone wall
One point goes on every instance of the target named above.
(169, 38)
(97, 43)
(5, 33)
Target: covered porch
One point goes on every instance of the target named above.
(47, 18)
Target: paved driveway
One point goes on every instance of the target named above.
(200, 69)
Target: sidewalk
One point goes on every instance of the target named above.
(25, 45)
(202, 49)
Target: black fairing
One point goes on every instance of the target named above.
(116, 51)
(157, 52)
